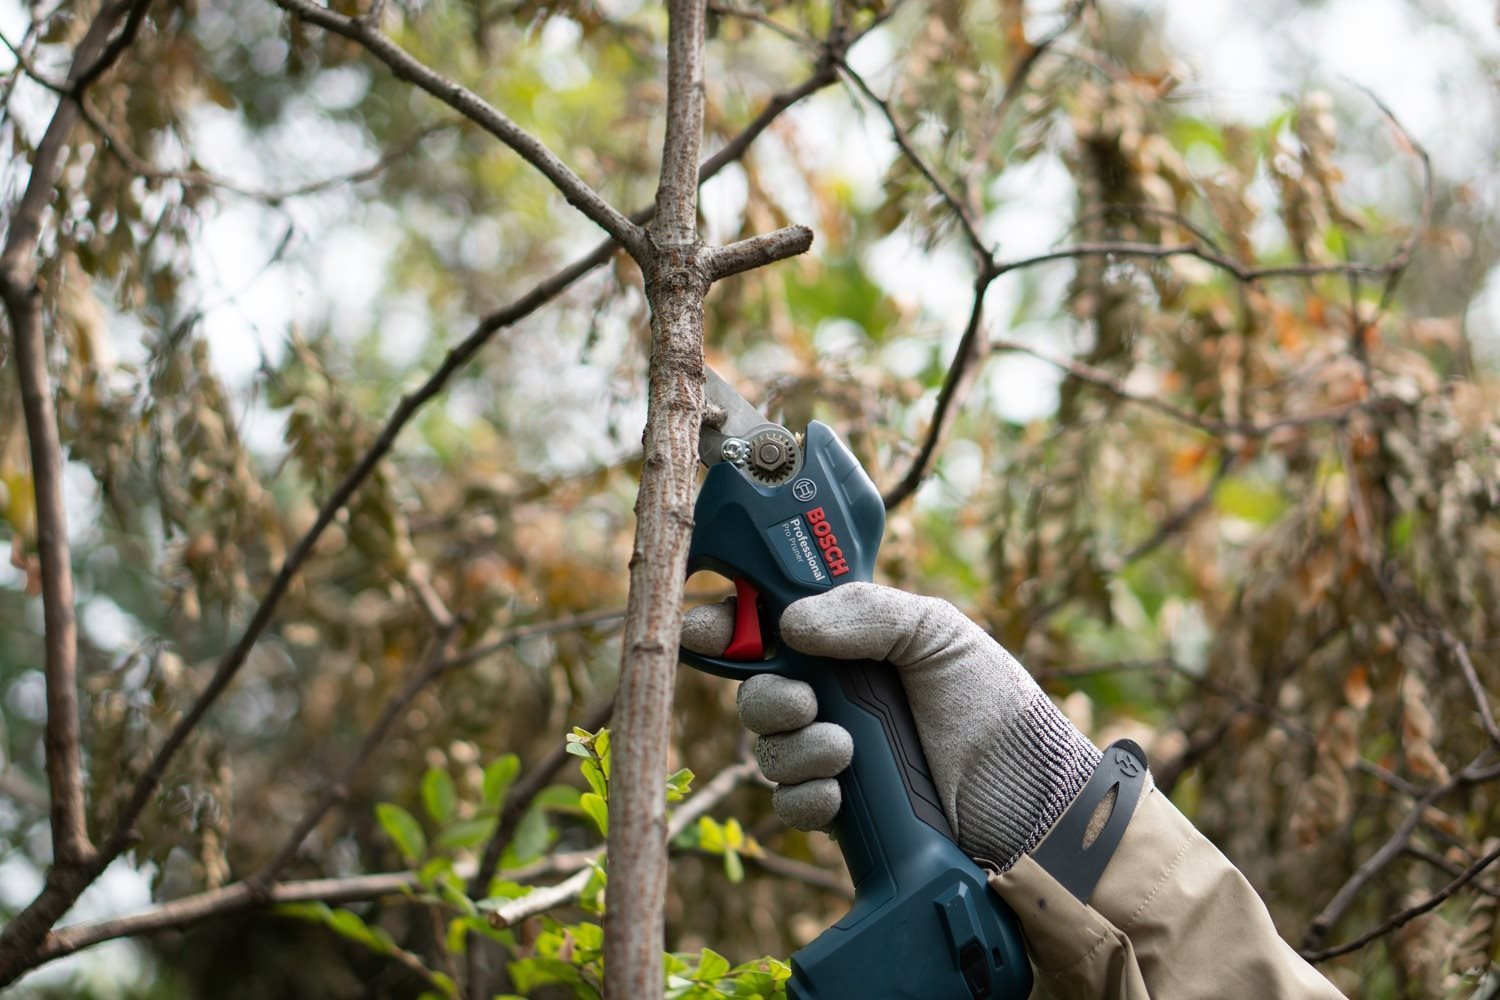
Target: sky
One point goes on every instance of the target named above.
(1414, 54)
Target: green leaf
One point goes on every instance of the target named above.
(498, 778)
(710, 835)
(679, 783)
(455, 897)
(597, 810)
(466, 833)
(734, 868)
(590, 936)
(458, 935)
(438, 794)
(734, 834)
(533, 834)
(593, 773)
(579, 750)
(403, 829)
(601, 748)
(557, 797)
(712, 965)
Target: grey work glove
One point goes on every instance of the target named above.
(1006, 762)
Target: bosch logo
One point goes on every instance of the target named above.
(804, 489)
(833, 556)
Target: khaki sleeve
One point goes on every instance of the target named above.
(1171, 919)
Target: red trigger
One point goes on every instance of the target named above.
(747, 643)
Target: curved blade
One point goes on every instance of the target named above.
(727, 415)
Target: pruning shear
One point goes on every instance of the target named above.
(786, 516)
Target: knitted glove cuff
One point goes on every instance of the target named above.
(1018, 787)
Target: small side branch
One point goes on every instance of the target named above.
(469, 104)
(963, 370)
(1406, 916)
(758, 251)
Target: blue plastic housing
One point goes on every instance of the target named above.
(924, 922)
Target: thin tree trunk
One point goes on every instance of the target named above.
(677, 280)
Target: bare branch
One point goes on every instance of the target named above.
(118, 145)
(676, 222)
(960, 209)
(758, 251)
(1460, 653)
(1238, 269)
(962, 372)
(221, 902)
(1394, 845)
(1452, 868)
(469, 104)
(23, 305)
(1407, 915)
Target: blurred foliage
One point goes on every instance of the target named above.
(1269, 613)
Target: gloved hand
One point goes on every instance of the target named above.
(1005, 761)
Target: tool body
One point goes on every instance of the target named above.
(924, 923)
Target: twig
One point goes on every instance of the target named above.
(961, 210)
(1407, 915)
(963, 370)
(469, 104)
(1383, 856)
(221, 902)
(1240, 270)
(800, 871)
(118, 145)
(758, 251)
(1451, 867)
(1460, 653)
(722, 9)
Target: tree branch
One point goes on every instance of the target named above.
(235, 898)
(962, 211)
(72, 850)
(21, 936)
(758, 251)
(963, 370)
(469, 104)
(1407, 915)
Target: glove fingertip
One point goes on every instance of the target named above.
(708, 628)
(809, 805)
(770, 704)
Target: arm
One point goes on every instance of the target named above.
(1170, 917)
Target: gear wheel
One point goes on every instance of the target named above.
(773, 456)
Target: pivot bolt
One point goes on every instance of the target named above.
(735, 450)
(769, 454)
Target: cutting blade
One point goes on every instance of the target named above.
(735, 431)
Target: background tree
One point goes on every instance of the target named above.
(344, 581)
